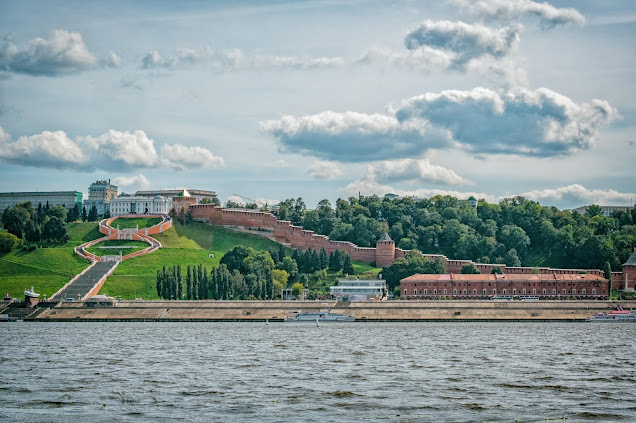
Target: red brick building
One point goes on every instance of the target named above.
(485, 286)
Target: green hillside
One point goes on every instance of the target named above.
(186, 245)
(46, 269)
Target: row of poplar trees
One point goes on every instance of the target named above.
(219, 284)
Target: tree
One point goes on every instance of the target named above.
(14, 220)
(55, 230)
(92, 214)
(189, 291)
(324, 261)
(297, 288)
(512, 259)
(289, 265)
(347, 266)
(607, 274)
(496, 271)
(470, 269)
(159, 284)
(84, 214)
(593, 210)
(8, 242)
(233, 259)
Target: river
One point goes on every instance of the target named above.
(399, 372)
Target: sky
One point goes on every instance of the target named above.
(271, 100)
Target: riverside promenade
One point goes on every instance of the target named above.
(206, 311)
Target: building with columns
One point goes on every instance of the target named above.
(136, 204)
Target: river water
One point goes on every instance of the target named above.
(400, 372)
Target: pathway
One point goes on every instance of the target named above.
(81, 286)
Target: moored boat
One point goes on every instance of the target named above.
(614, 316)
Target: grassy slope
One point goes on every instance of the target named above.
(47, 269)
(143, 222)
(186, 245)
(136, 246)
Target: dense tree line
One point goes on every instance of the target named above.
(244, 273)
(32, 226)
(514, 232)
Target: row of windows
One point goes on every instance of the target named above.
(494, 292)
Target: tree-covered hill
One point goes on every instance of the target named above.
(516, 231)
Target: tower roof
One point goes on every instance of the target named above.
(385, 237)
(631, 261)
(184, 193)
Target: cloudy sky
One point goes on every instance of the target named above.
(322, 99)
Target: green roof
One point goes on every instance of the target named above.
(184, 193)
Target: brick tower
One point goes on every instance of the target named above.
(629, 273)
(384, 251)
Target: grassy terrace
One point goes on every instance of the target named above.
(47, 269)
(109, 247)
(191, 244)
(131, 223)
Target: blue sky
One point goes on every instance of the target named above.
(322, 99)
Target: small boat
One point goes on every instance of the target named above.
(323, 316)
(615, 316)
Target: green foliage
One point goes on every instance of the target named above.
(8, 242)
(413, 263)
(496, 271)
(133, 222)
(92, 214)
(470, 269)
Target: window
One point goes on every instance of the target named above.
(534, 291)
(445, 292)
(454, 292)
(404, 291)
(583, 291)
(593, 291)
(554, 292)
(425, 292)
(564, 291)
(543, 291)
(573, 291)
(435, 291)
(514, 291)
(524, 291)
(415, 292)
(474, 291)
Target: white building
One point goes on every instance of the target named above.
(67, 199)
(606, 211)
(359, 289)
(140, 205)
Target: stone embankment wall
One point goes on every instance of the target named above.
(362, 311)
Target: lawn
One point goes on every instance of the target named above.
(131, 223)
(109, 247)
(185, 245)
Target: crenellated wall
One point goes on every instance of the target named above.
(382, 255)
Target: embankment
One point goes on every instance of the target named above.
(362, 311)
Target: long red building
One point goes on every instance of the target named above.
(484, 286)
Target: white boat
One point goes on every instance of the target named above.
(323, 316)
(614, 316)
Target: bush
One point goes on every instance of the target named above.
(8, 242)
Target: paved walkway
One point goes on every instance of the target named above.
(82, 285)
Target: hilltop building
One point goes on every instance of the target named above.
(66, 199)
(137, 204)
(629, 274)
(183, 201)
(606, 211)
(100, 194)
(197, 194)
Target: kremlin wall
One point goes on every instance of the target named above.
(385, 251)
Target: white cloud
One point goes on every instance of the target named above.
(413, 171)
(113, 150)
(182, 158)
(578, 194)
(236, 59)
(463, 42)
(140, 182)
(523, 122)
(366, 187)
(63, 52)
(352, 136)
(324, 170)
(549, 16)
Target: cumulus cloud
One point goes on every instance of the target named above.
(548, 15)
(181, 157)
(352, 136)
(114, 150)
(324, 170)
(140, 182)
(462, 42)
(533, 123)
(63, 52)
(366, 187)
(235, 59)
(413, 171)
(578, 194)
